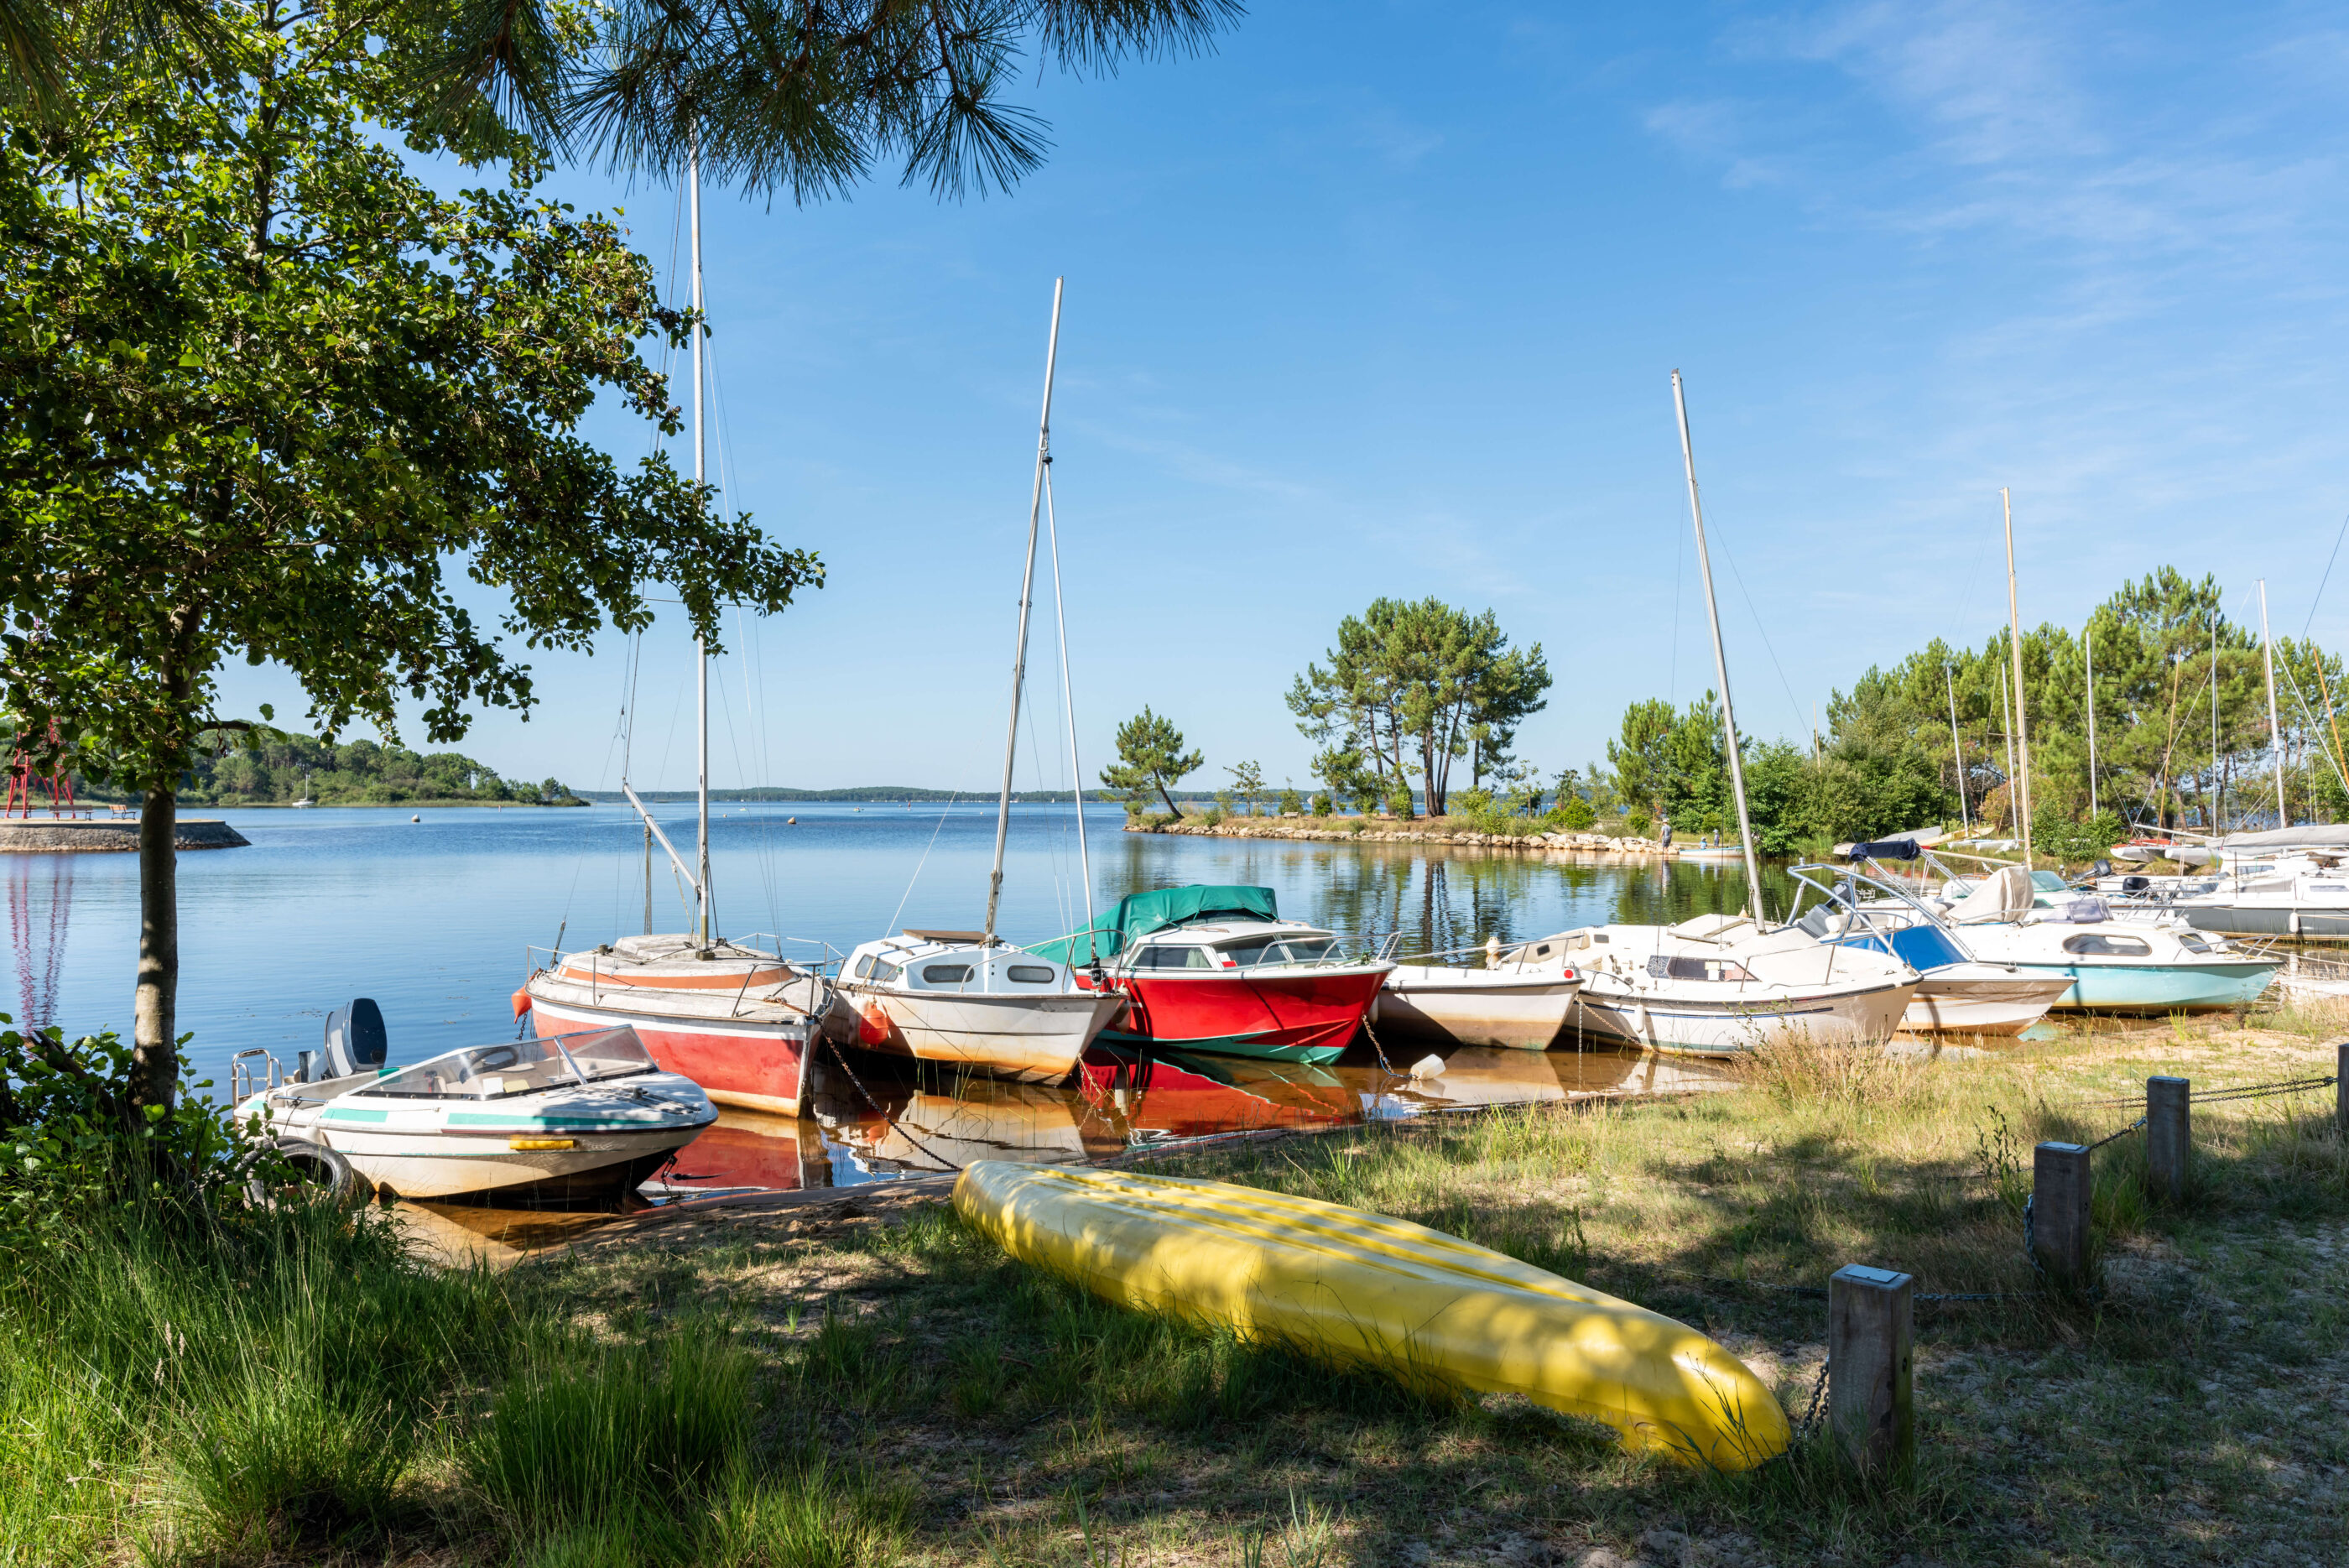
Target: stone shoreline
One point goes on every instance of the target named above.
(1626, 848)
(58, 836)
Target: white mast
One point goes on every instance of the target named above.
(1950, 685)
(2216, 802)
(1720, 660)
(2275, 731)
(1068, 699)
(2022, 726)
(2088, 641)
(2006, 708)
(701, 653)
(1027, 586)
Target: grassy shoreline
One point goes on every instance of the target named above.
(862, 1381)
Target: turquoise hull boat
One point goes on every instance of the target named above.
(2121, 988)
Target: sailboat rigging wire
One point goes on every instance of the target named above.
(925, 860)
(1767, 646)
(2324, 580)
(1068, 703)
(1673, 671)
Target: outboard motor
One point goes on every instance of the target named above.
(355, 1040)
(2134, 885)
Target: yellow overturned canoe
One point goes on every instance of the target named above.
(1364, 1288)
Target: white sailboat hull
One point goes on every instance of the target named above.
(1665, 1020)
(1981, 999)
(1026, 1038)
(1475, 1007)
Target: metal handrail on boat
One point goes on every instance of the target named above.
(244, 1082)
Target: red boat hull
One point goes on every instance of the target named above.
(757, 1066)
(1296, 1015)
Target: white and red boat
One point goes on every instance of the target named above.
(1216, 969)
(741, 1022)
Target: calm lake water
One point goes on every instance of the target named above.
(432, 918)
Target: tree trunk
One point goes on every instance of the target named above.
(155, 1056)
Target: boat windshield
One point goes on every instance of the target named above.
(1251, 953)
(519, 1067)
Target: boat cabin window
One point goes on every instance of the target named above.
(2049, 881)
(2099, 943)
(1031, 974)
(519, 1067)
(2192, 942)
(945, 973)
(1252, 951)
(865, 966)
(1171, 958)
(885, 973)
(1664, 967)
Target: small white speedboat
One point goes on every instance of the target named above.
(1719, 986)
(1520, 1006)
(563, 1118)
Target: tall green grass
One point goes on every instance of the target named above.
(286, 1384)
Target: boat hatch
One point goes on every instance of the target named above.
(2106, 945)
(1665, 967)
(519, 1067)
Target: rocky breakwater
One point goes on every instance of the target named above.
(59, 836)
(1587, 844)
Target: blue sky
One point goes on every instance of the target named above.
(1383, 299)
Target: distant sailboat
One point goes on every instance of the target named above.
(305, 801)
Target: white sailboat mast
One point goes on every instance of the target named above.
(701, 653)
(2022, 727)
(1068, 698)
(2088, 642)
(1720, 660)
(1027, 597)
(1957, 745)
(2275, 730)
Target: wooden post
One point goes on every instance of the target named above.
(2169, 1136)
(1871, 1404)
(2341, 1087)
(2059, 1210)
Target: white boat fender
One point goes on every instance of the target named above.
(1428, 1067)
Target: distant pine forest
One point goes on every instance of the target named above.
(358, 773)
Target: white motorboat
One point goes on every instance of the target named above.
(561, 1118)
(1956, 992)
(2144, 965)
(1521, 1006)
(2287, 882)
(1719, 986)
(953, 997)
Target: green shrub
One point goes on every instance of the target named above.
(1399, 805)
(1291, 804)
(1323, 805)
(1636, 824)
(1574, 814)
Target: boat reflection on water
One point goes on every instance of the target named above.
(877, 1128)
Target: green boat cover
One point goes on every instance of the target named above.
(1139, 914)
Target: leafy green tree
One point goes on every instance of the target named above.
(1151, 758)
(1641, 758)
(1248, 782)
(1291, 803)
(1414, 686)
(261, 390)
